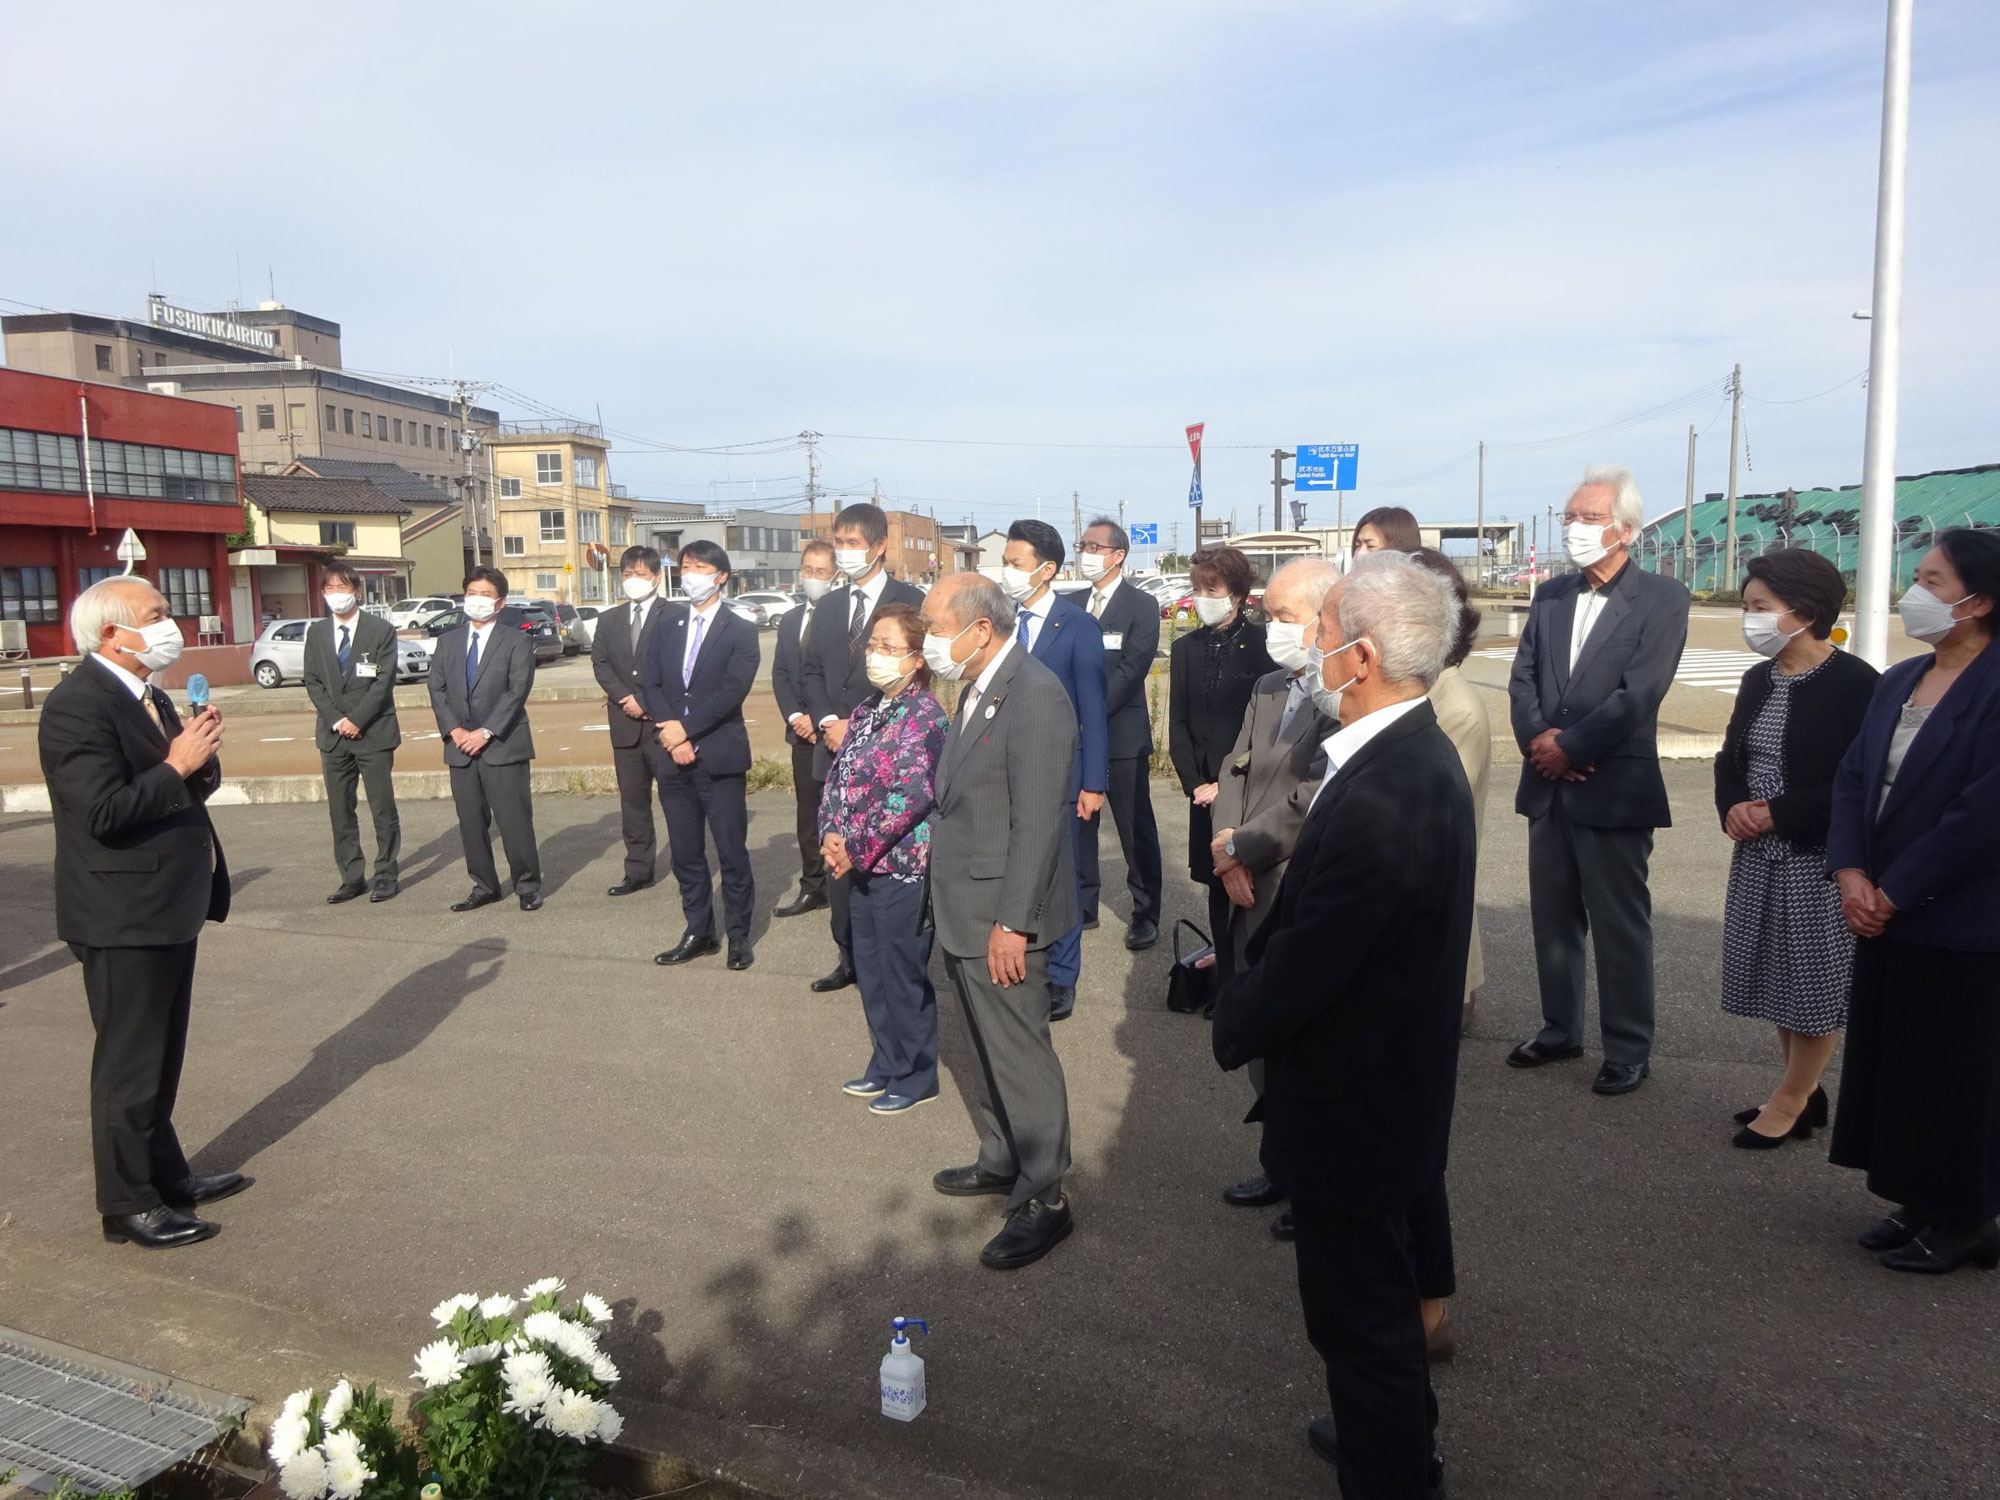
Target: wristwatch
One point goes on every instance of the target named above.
(1006, 929)
(1230, 847)
(487, 732)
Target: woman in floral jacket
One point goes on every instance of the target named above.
(874, 823)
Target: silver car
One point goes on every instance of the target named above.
(764, 607)
(278, 655)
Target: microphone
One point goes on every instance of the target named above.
(197, 687)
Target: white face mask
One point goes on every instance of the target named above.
(1092, 565)
(340, 604)
(163, 642)
(887, 672)
(1326, 699)
(1212, 611)
(816, 588)
(937, 655)
(1763, 634)
(1286, 644)
(1584, 542)
(641, 588)
(479, 607)
(1926, 617)
(853, 561)
(1017, 585)
(698, 586)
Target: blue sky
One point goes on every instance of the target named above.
(1407, 225)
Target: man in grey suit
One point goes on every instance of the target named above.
(1597, 656)
(480, 679)
(1003, 889)
(350, 676)
(617, 652)
(1267, 786)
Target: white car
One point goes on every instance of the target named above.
(278, 655)
(405, 613)
(764, 607)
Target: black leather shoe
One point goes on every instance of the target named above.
(740, 956)
(1320, 1434)
(1816, 1109)
(1033, 1230)
(383, 890)
(839, 979)
(1281, 1227)
(1141, 936)
(627, 887)
(1622, 1078)
(162, 1228)
(689, 947)
(532, 901)
(1749, 1138)
(1939, 1251)
(1532, 1054)
(476, 900)
(209, 1189)
(1894, 1232)
(1253, 1192)
(970, 1182)
(804, 902)
(1089, 924)
(347, 893)
(1062, 1002)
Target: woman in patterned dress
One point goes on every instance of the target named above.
(1786, 954)
(874, 822)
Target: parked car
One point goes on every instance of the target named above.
(583, 629)
(407, 612)
(278, 655)
(564, 616)
(548, 640)
(764, 607)
(1181, 608)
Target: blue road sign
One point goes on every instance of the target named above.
(1147, 535)
(1325, 466)
(1194, 491)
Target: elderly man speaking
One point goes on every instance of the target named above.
(1352, 1001)
(138, 870)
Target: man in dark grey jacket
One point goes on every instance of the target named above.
(350, 676)
(1597, 656)
(1003, 889)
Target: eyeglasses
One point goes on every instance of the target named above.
(1099, 548)
(1570, 519)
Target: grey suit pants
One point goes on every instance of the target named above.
(1017, 1095)
(343, 768)
(1585, 881)
(487, 794)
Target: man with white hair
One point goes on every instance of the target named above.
(1352, 1001)
(1597, 656)
(138, 870)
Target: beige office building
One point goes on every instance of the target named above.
(562, 522)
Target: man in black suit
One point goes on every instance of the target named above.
(138, 870)
(481, 675)
(1352, 1000)
(350, 676)
(788, 687)
(834, 668)
(1130, 620)
(699, 668)
(618, 656)
(1597, 656)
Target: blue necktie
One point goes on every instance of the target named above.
(1027, 628)
(471, 659)
(342, 651)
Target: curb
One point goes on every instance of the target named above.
(408, 696)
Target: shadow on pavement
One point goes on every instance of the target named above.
(573, 849)
(36, 968)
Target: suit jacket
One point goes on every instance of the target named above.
(1000, 840)
(1267, 784)
(788, 668)
(1070, 644)
(1354, 991)
(137, 861)
(832, 679)
(369, 702)
(618, 667)
(1607, 711)
(710, 706)
(1826, 712)
(1130, 626)
(497, 701)
(1934, 848)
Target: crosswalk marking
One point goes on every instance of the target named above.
(1701, 666)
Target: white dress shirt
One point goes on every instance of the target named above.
(1342, 744)
(1589, 605)
(977, 692)
(1100, 598)
(871, 592)
(136, 685)
(1038, 614)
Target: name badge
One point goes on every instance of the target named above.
(992, 709)
(367, 669)
(1114, 641)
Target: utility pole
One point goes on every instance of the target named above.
(811, 440)
(1075, 523)
(1687, 519)
(1479, 522)
(1174, 537)
(1728, 580)
(1885, 353)
(1278, 483)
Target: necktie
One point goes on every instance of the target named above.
(638, 624)
(1096, 605)
(153, 712)
(857, 628)
(341, 650)
(965, 701)
(694, 648)
(471, 659)
(1027, 628)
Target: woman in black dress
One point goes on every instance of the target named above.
(1211, 672)
(1915, 846)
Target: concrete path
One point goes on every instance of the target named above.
(434, 1103)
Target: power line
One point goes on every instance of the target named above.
(1801, 400)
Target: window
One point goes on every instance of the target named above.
(347, 420)
(123, 469)
(586, 473)
(85, 577)
(239, 419)
(267, 418)
(103, 356)
(336, 533)
(548, 468)
(427, 443)
(593, 584)
(510, 489)
(513, 546)
(399, 429)
(590, 526)
(553, 529)
(332, 419)
(295, 416)
(547, 583)
(187, 591)
(29, 594)
(381, 427)
(367, 425)
(296, 631)
(620, 528)
(40, 461)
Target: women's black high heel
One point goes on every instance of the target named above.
(1750, 1140)
(1816, 1109)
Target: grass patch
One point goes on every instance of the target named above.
(769, 775)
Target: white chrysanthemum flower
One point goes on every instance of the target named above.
(341, 1445)
(448, 1309)
(346, 1474)
(524, 1362)
(570, 1414)
(439, 1363)
(304, 1478)
(544, 1328)
(496, 1306)
(595, 1307)
(296, 1403)
(528, 1392)
(545, 1285)
(578, 1342)
(602, 1370)
(480, 1354)
(288, 1438)
(609, 1423)
(339, 1401)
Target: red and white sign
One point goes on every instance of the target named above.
(1194, 441)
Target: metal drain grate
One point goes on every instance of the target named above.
(65, 1414)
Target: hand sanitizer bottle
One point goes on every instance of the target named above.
(903, 1374)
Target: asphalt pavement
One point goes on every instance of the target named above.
(435, 1103)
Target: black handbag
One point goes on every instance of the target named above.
(1190, 990)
